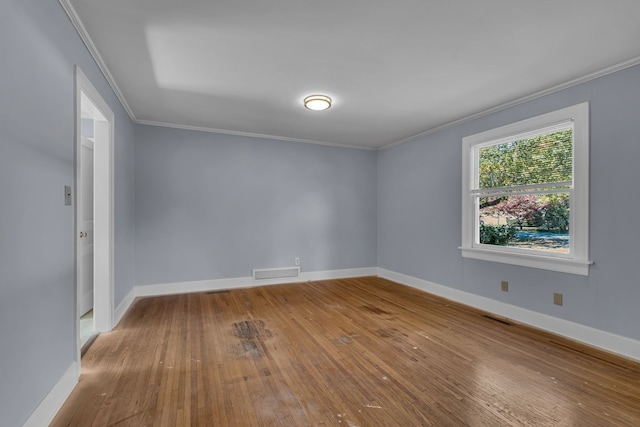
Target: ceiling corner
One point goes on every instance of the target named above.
(93, 51)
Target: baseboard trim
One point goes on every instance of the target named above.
(246, 282)
(51, 404)
(53, 401)
(594, 337)
(338, 274)
(597, 338)
(124, 306)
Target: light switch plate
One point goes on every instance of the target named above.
(67, 195)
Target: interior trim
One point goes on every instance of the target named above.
(232, 283)
(594, 337)
(251, 135)
(93, 51)
(601, 73)
(84, 35)
(124, 305)
(46, 411)
(246, 282)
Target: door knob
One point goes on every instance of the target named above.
(83, 234)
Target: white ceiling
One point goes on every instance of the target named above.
(395, 69)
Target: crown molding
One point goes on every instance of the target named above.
(592, 76)
(93, 51)
(84, 35)
(252, 135)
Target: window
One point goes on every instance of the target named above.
(525, 192)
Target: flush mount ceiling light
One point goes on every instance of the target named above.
(317, 102)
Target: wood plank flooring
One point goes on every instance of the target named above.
(353, 352)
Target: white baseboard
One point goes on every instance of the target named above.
(46, 411)
(122, 308)
(597, 338)
(192, 286)
(49, 407)
(338, 274)
(246, 282)
(53, 401)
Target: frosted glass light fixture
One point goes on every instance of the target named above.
(317, 102)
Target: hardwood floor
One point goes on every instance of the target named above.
(353, 352)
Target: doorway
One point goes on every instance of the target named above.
(93, 213)
(85, 212)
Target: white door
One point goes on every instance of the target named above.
(85, 237)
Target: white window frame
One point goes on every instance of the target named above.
(577, 261)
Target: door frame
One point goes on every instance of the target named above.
(103, 283)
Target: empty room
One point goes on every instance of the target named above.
(298, 213)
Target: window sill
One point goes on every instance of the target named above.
(563, 265)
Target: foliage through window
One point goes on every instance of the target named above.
(522, 191)
(525, 191)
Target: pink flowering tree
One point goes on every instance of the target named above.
(521, 208)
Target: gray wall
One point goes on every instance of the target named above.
(212, 206)
(38, 50)
(419, 203)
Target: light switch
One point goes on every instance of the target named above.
(67, 195)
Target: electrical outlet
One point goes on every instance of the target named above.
(297, 260)
(557, 299)
(505, 286)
